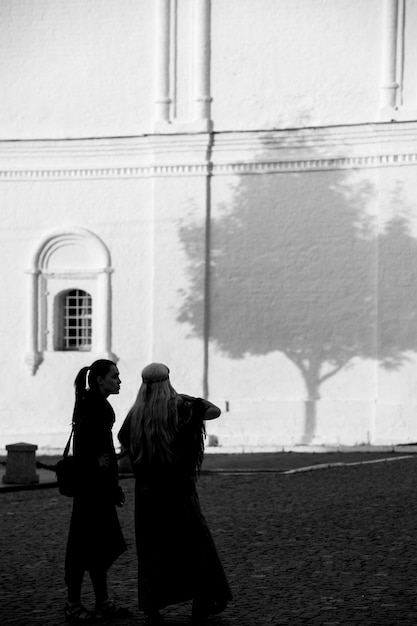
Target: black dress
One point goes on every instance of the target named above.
(95, 538)
(177, 557)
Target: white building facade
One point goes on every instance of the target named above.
(226, 186)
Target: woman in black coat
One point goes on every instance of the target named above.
(95, 538)
(177, 558)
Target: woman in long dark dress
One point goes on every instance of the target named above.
(95, 538)
(177, 559)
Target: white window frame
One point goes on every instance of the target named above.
(45, 284)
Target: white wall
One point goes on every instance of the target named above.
(262, 243)
(272, 67)
(121, 220)
(88, 68)
(70, 69)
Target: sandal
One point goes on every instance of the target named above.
(110, 610)
(78, 613)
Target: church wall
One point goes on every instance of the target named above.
(292, 304)
(140, 221)
(270, 64)
(304, 261)
(317, 325)
(276, 72)
(237, 188)
(61, 61)
(119, 215)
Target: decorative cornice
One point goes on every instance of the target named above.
(228, 153)
(249, 167)
(151, 171)
(315, 164)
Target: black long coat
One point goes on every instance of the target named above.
(95, 538)
(177, 557)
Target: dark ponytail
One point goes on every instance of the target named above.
(87, 379)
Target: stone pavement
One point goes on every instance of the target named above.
(327, 547)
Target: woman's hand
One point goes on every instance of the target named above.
(211, 411)
(104, 461)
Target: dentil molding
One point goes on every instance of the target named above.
(225, 153)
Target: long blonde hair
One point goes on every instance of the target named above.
(153, 418)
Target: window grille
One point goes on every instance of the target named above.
(77, 327)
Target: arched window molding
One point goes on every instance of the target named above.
(44, 272)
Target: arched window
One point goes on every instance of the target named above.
(75, 320)
(69, 297)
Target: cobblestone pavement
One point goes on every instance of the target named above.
(327, 547)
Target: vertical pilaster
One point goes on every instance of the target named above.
(104, 315)
(33, 357)
(389, 84)
(207, 270)
(202, 96)
(162, 87)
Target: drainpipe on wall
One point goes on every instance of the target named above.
(202, 120)
(207, 269)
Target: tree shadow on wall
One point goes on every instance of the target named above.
(298, 267)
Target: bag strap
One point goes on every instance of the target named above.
(67, 447)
